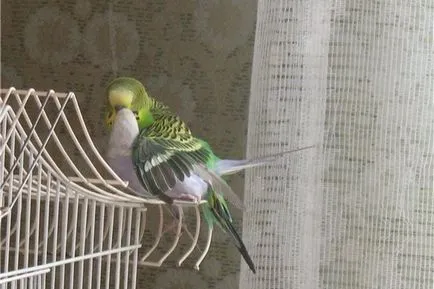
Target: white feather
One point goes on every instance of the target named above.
(118, 156)
(228, 167)
(123, 134)
(124, 131)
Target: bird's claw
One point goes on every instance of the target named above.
(188, 197)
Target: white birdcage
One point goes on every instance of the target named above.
(66, 220)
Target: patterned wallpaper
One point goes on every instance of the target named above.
(193, 55)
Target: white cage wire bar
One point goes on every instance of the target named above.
(66, 219)
(30, 279)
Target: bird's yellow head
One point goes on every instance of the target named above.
(130, 93)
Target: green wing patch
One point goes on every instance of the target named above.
(166, 152)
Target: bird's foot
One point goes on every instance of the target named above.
(188, 197)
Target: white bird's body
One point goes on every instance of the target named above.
(157, 154)
(119, 157)
(192, 188)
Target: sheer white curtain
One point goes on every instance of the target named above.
(355, 78)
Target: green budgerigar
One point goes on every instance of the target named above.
(168, 160)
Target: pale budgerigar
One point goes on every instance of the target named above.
(168, 161)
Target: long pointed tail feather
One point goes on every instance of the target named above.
(228, 167)
(220, 214)
(240, 246)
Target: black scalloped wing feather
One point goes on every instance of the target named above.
(166, 152)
